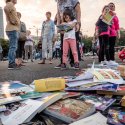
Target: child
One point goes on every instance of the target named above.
(69, 40)
(103, 31)
(122, 55)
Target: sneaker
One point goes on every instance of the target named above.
(76, 66)
(13, 66)
(104, 62)
(63, 66)
(72, 66)
(113, 63)
(58, 67)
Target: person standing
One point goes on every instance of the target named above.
(28, 46)
(114, 33)
(1, 54)
(21, 41)
(74, 6)
(47, 35)
(12, 29)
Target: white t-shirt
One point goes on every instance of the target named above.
(71, 33)
(29, 41)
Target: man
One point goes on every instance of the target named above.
(12, 29)
(73, 5)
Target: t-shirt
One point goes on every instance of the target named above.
(70, 34)
(57, 44)
(29, 41)
(64, 4)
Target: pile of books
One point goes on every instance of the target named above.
(95, 96)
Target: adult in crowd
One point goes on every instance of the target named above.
(28, 46)
(74, 6)
(47, 36)
(12, 29)
(1, 52)
(21, 41)
(39, 49)
(57, 48)
(114, 33)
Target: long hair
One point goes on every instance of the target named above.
(8, 1)
(69, 13)
(104, 8)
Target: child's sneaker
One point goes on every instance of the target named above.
(63, 66)
(76, 66)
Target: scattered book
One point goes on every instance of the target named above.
(101, 102)
(96, 119)
(123, 102)
(70, 110)
(50, 84)
(2, 108)
(116, 117)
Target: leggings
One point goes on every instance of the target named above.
(104, 48)
(112, 41)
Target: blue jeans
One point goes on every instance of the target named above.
(13, 39)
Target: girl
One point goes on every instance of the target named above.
(114, 32)
(103, 31)
(69, 40)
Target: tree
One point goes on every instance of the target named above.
(5, 46)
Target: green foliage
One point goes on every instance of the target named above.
(5, 46)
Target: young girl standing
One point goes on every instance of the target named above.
(69, 40)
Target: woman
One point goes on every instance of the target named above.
(103, 31)
(114, 32)
(48, 33)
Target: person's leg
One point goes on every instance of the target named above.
(50, 49)
(65, 50)
(61, 52)
(73, 47)
(31, 52)
(106, 46)
(101, 49)
(13, 39)
(112, 41)
(26, 52)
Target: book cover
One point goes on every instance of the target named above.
(18, 113)
(116, 117)
(96, 119)
(107, 18)
(64, 27)
(101, 103)
(70, 110)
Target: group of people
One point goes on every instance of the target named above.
(68, 13)
(107, 34)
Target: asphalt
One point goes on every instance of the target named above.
(33, 71)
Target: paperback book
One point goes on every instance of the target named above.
(64, 27)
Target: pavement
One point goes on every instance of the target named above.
(33, 71)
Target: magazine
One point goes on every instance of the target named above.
(107, 18)
(70, 110)
(101, 103)
(64, 27)
(96, 119)
(116, 117)
(17, 113)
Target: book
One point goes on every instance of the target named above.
(64, 27)
(107, 18)
(101, 102)
(70, 110)
(71, 95)
(96, 119)
(123, 102)
(116, 117)
(14, 87)
(2, 108)
(50, 84)
(17, 113)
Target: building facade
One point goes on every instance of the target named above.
(1, 23)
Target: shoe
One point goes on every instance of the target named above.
(41, 63)
(58, 67)
(63, 66)
(13, 66)
(104, 62)
(76, 66)
(113, 63)
(72, 66)
(50, 62)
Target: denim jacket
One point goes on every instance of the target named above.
(50, 32)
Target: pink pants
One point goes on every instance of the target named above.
(67, 44)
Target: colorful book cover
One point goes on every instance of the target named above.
(70, 110)
(64, 27)
(116, 117)
(101, 103)
(107, 18)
